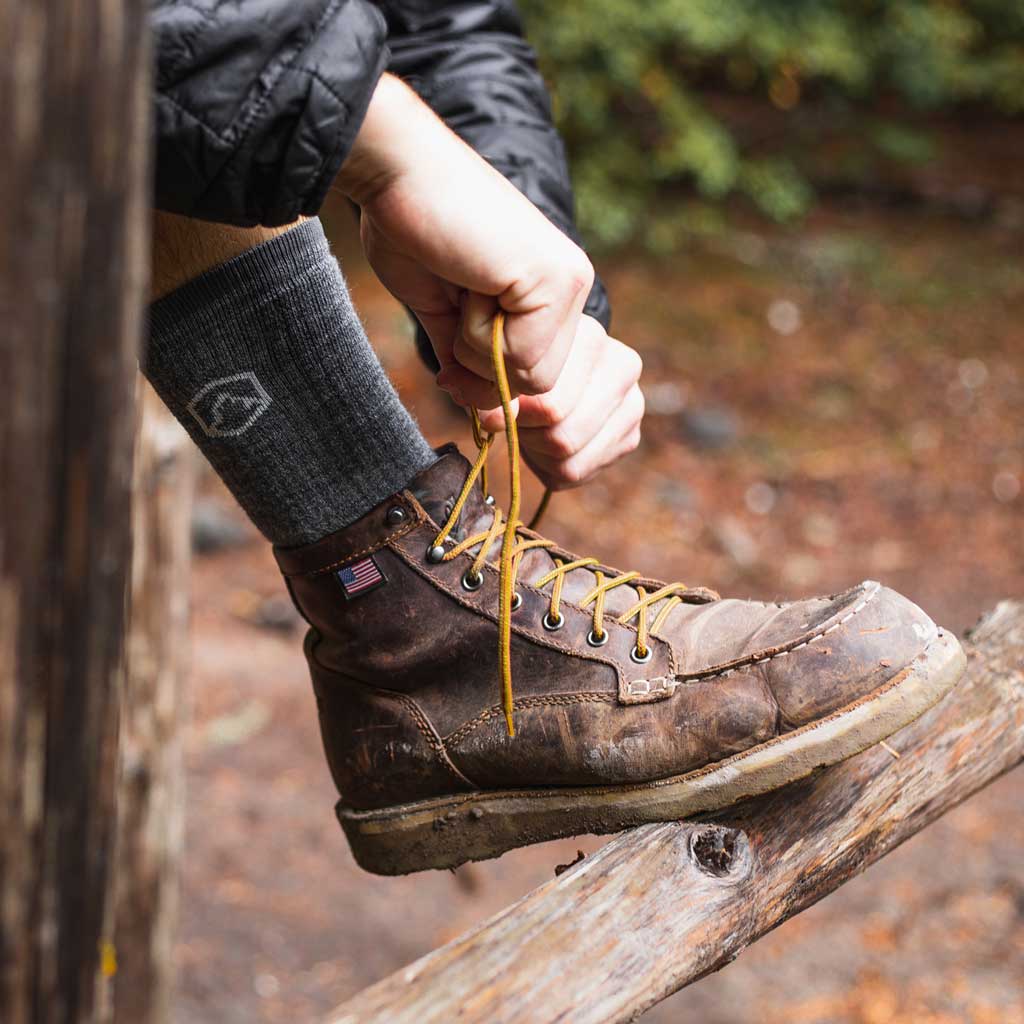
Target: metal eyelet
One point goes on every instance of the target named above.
(517, 600)
(435, 554)
(597, 641)
(471, 580)
(635, 655)
(489, 500)
(551, 624)
(395, 516)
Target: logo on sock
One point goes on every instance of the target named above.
(229, 406)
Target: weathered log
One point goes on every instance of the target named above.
(661, 906)
(152, 791)
(74, 107)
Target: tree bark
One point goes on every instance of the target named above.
(73, 262)
(152, 790)
(663, 905)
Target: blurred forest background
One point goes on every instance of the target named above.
(777, 101)
(810, 216)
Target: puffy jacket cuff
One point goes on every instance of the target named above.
(343, 64)
(256, 111)
(334, 159)
(598, 306)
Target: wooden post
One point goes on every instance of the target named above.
(152, 791)
(74, 104)
(663, 905)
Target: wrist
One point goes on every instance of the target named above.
(378, 155)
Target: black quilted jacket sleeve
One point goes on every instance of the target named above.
(258, 101)
(471, 64)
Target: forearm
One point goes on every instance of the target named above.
(398, 134)
(454, 213)
(471, 64)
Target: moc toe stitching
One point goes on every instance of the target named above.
(824, 719)
(856, 662)
(406, 699)
(784, 649)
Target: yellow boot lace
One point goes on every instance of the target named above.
(513, 546)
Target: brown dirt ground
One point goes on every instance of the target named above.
(838, 402)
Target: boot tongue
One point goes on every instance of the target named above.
(437, 487)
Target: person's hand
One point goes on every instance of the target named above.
(455, 241)
(452, 239)
(589, 419)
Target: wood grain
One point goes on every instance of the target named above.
(74, 107)
(152, 786)
(663, 905)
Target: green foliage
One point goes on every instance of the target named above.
(751, 97)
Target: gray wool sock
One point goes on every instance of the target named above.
(267, 366)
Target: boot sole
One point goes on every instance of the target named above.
(444, 832)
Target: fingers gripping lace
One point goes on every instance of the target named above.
(513, 546)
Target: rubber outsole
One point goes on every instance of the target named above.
(444, 832)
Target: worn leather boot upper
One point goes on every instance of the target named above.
(403, 652)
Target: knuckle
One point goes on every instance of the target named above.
(572, 473)
(524, 357)
(548, 409)
(639, 404)
(535, 380)
(462, 349)
(630, 363)
(636, 363)
(560, 444)
(472, 337)
(581, 272)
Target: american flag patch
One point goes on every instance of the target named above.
(360, 577)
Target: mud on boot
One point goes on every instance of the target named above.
(634, 700)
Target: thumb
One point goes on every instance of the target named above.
(493, 420)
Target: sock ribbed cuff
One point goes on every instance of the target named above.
(266, 364)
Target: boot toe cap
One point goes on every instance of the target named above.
(878, 636)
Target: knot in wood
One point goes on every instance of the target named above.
(718, 851)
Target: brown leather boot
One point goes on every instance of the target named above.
(633, 701)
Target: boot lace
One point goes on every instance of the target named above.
(518, 538)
